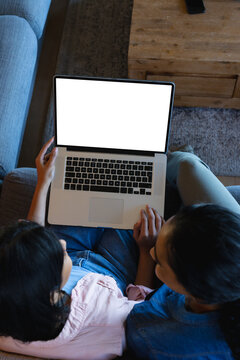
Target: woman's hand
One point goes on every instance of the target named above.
(45, 168)
(145, 233)
(45, 164)
(146, 230)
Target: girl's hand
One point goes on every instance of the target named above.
(45, 164)
(146, 230)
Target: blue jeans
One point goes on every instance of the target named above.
(105, 251)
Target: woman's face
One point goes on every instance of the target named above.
(159, 254)
(67, 264)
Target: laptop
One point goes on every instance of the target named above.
(112, 138)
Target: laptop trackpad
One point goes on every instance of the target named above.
(109, 211)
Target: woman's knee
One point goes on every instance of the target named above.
(191, 165)
(188, 166)
(182, 164)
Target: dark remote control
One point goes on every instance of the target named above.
(195, 6)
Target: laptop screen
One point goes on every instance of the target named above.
(112, 114)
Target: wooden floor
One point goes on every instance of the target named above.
(42, 91)
(229, 180)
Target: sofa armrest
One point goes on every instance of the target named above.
(34, 12)
(235, 191)
(18, 55)
(17, 192)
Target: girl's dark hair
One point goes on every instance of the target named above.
(204, 253)
(31, 262)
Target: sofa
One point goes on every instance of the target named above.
(22, 24)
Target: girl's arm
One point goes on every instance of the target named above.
(145, 233)
(45, 170)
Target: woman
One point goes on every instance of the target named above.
(196, 313)
(55, 306)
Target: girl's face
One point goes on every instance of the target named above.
(67, 264)
(159, 254)
(165, 273)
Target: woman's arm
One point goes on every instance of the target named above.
(45, 169)
(145, 233)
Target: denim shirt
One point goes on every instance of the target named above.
(162, 328)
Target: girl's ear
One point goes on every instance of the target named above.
(55, 296)
(60, 297)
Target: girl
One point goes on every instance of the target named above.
(55, 306)
(196, 313)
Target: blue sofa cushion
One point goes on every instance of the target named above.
(18, 54)
(34, 11)
(16, 196)
(235, 191)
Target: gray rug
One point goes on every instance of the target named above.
(95, 43)
(214, 135)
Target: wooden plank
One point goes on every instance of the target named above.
(179, 66)
(139, 75)
(236, 93)
(229, 180)
(197, 101)
(199, 86)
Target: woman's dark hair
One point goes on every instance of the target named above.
(204, 253)
(31, 262)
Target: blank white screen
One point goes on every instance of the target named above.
(109, 114)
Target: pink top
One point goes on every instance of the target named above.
(95, 326)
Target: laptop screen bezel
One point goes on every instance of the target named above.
(114, 150)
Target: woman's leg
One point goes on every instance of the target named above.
(121, 250)
(116, 255)
(104, 251)
(196, 183)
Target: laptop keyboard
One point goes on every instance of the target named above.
(108, 175)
